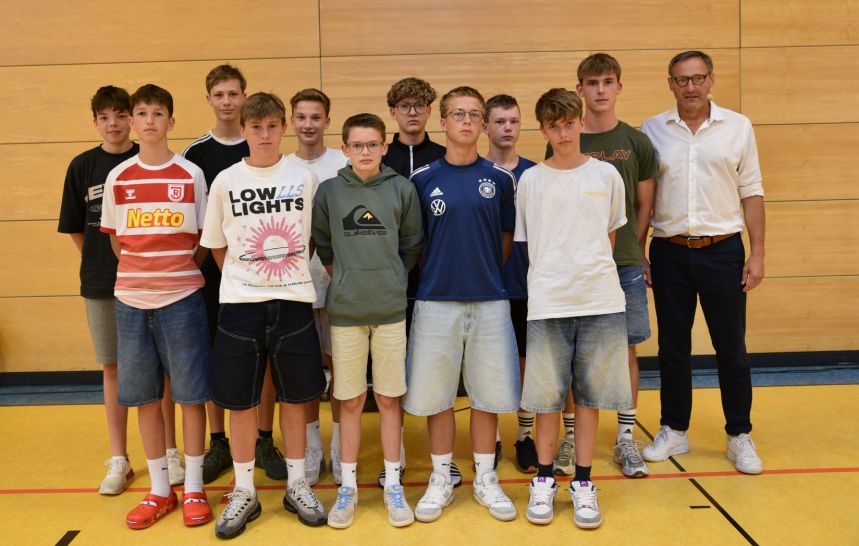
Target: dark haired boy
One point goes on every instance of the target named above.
(153, 208)
(80, 217)
(258, 227)
(368, 228)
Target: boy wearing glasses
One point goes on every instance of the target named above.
(568, 210)
(368, 229)
(461, 320)
(410, 103)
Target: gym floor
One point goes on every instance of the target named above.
(51, 459)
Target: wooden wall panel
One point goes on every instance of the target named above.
(448, 26)
(44, 335)
(42, 263)
(808, 161)
(70, 32)
(801, 84)
(51, 104)
(799, 23)
(788, 315)
(361, 83)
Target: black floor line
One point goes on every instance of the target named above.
(67, 538)
(704, 492)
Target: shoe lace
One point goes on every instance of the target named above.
(114, 466)
(173, 457)
(311, 458)
(494, 494)
(661, 437)
(344, 499)
(565, 450)
(630, 450)
(397, 498)
(585, 498)
(303, 494)
(745, 447)
(238, 500)
(541, 495)
(435, 494)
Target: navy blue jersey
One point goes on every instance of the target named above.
(465, 210)
(515, 271)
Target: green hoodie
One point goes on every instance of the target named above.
(372, 232)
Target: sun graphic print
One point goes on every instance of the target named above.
(275, 248)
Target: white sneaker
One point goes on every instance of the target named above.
(741, 451)
(668, 442)
(119, 475)
(175, 468)
(314, 464)
(488, 492)
(541, 501)
(586, 509)
(336, 469)
(439, 494)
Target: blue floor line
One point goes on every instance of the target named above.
(701, 379)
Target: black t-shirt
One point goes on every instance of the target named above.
(407, 159)
(80, 212)
(213, 155)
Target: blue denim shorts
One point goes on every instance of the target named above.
(635, 290)
(250, 335)
(173, 340)
(474, 338)
(599, 373)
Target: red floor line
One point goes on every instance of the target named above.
(674, 475)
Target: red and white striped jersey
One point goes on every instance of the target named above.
(156, 213)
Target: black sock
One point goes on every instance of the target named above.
(583, 474)
(264, 433)
(544, 470)
(218, 435)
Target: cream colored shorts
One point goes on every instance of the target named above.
(350, 347)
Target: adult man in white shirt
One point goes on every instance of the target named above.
(709, 183)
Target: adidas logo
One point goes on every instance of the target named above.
(436, 192)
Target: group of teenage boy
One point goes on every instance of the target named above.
(232, 277)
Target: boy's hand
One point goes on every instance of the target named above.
(645, 265)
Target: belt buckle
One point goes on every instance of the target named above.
(689, 239)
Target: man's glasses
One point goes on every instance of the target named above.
(683, 81)
(358, 147)
(405, 107)
(459, 115)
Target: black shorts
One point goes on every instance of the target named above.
(249, 334)
(519, 316)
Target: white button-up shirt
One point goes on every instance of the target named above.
(703, 176)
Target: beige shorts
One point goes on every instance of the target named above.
(323, 328)
(351, 345)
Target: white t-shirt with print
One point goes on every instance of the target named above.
(565, 216)
(324, 167)
(263, 217)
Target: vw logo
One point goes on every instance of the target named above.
(438, 207)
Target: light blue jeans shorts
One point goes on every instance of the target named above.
(474, 338)
(589, 353)
(635, 291)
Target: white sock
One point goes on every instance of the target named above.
(159, 477)
(349, 473)
(335, 438)
(625, 424)
(245, 475)
(294, 472)
(569, 425)
(314, 440)
(193, 473)
(483, 464)
(402, 447)
(526, 424)
(441, 464)
(497, 435)
(392, 473)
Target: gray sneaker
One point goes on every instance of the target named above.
(628, 456)
(340, 516)
(438, 495)
(565, 460)
(302, 500)
(314, 464)
(399, 512)
(243, 508)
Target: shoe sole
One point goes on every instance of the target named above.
(536, 521)
(401, 523)
(497, 515)
(340, 525)
(671, 453)
(252, 516)
(563, 470)
(528, 470)
(145, 524)
(588, 525)
(430, 519)
(751, 471)
(635, 475)
(308, 522)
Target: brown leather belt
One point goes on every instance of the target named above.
(697, 242)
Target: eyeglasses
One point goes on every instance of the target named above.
(405, 107)
(358, 147)
(459, 115)
(683, 81)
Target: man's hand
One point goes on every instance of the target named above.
(753, 272)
